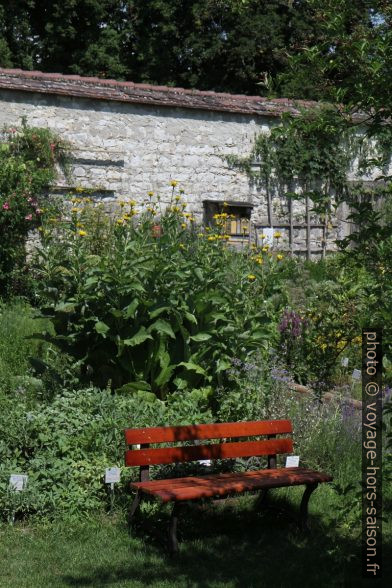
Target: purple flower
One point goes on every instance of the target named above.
(291, 324)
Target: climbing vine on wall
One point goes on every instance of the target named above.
(322, 153)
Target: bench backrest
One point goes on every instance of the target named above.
(146, 456)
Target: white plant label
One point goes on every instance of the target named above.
(356, 375)
(344, 361)
(112, 475)
(292, 461)
(268, 236)
(206, 462)
(18, 482)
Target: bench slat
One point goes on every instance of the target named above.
(210, 431)
(142, 457)
(219, 484)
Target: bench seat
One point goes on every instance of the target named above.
(196, 487)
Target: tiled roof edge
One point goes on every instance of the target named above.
(113, 90)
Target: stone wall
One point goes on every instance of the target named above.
(123, 150)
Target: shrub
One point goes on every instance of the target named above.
(28, 158)
(142, 312)
(65, 446)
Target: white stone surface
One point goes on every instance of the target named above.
(156, 144)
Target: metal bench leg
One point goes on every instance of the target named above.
(304, 505)
(261, 499)
(173, 543)
(135, 504)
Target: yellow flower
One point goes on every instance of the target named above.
(122, 203)
(79, 189)
(74, 209)
(265, 248)
(183, 225)
(279, 257)
(262, 236)
(150, 194)
(82, 233)
(227, 237)
(120, 221)
(251, 277)
(225, 204)
(200, 234)
(173, 183)
(80, 225)
(277, 235)
(259, 260)
(211, 238)
(182, 246)
(175, 209)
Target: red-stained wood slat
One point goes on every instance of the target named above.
(142, 457)
(221, 484)
(210, 431)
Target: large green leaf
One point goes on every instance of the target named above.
(141, 336)
(165, 375)
(101, 328)
(193, 367)
(201, 337)
(163, 327)
(158, 311)
(129, 311)
(134, 386)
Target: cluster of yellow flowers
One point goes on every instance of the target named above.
(258, 258)
(216, 237)
(223, 215)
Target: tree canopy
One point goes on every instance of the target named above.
(223, 45)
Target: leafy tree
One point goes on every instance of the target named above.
(224, 45)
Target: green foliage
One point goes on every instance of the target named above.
(65, 446)
(150, 313)
(317, 154)
(27, 166)
(333, 306)
(349, 60)
(17, 323)
(217, 45)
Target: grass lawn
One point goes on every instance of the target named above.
(225, 545)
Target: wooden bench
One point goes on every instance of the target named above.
(178, 490)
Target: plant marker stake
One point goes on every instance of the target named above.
(112, 476)
(17, 483)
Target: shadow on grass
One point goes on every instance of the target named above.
(237, 546)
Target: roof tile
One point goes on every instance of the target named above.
(113, 90)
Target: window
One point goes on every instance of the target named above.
(237, 220)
